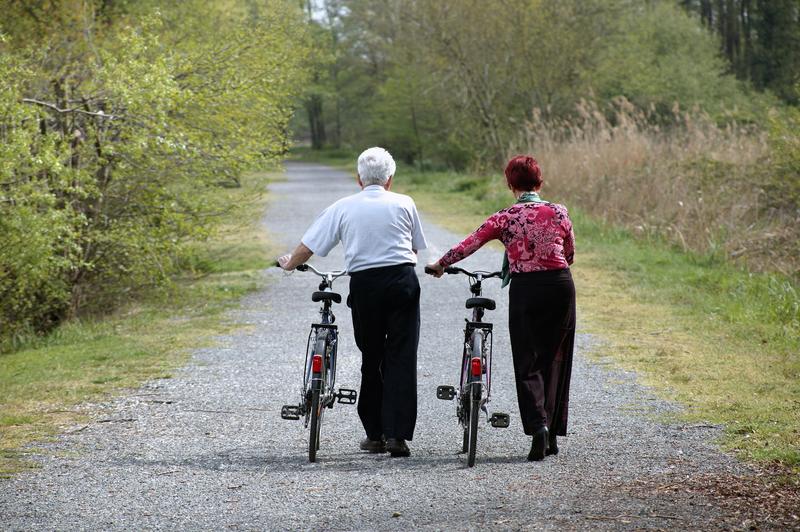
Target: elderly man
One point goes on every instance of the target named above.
(381, 234)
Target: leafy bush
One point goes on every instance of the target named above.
(119, 127)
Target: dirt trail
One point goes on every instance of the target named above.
(208, 450)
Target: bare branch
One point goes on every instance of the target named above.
(99, 114)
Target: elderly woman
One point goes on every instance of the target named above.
(539, 244)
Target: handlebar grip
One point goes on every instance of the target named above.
(430, 271)
(302, 268)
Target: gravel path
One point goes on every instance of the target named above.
(208, 450)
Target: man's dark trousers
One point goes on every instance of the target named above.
(385, 305)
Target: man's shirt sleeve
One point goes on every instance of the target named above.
(417, 236)
(323, 235)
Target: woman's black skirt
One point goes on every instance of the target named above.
(542, 326)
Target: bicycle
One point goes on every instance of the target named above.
(476, 366)
(319, 377)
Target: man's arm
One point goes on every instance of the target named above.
(299, 256)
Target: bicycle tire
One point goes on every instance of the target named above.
(317, 404)
(316, 423)
(474, 412)
(465, 403)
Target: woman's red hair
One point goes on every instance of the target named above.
(523, 173)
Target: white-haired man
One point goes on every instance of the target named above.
(381, 234)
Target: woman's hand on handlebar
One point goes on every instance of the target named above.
(435, 269)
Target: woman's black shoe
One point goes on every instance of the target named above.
(552, 446)
(539, 445)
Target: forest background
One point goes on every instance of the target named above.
(131, 133)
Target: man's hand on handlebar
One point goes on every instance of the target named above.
(299, 256)
(283, 261)
(435, 269)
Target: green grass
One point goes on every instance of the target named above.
(42, 383)
(723, 342)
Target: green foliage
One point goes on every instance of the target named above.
(452, 83)
(784, 137)
(760, 39)
(121, 128)
(661, 56)
(88, 358)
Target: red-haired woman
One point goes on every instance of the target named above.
(539, 245)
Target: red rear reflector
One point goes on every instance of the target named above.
(316, 363)
(476, 367)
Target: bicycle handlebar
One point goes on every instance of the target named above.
(333, 274)
(306, 267)
(452, 270)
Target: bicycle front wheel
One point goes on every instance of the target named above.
(474, 411)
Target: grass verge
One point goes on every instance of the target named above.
(720, 340)
(43, 383)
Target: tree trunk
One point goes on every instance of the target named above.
(315, 121)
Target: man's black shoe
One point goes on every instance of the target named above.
(397, 447)
(539, 444)
(373, 446)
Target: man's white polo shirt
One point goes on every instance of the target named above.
(377, 228)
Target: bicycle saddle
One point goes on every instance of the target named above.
(481, 302)
(322, 296)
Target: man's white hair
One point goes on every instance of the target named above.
(375, 166)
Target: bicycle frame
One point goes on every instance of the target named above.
(476, 366)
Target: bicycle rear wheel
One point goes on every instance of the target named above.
(465, 408)
(317, 398)
(316, 423)
(474, 411)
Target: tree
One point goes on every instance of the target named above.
(760, 38)
(119, 120)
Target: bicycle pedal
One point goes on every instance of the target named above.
(290, 412)
(499, 420)
(346, 396)
(445, 393)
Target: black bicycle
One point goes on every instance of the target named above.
(475, 386)
(319, 377)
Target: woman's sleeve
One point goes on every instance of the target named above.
(489, 230)
(569, 241)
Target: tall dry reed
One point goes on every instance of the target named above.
(686, 179)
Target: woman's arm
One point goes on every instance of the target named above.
(489, 230)
(569, 242)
